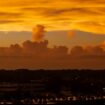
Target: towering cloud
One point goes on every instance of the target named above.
(38, 33)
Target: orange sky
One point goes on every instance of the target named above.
(87, 15)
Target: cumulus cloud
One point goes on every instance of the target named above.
(90, 57)
(88, 51)
(77, 50)
(38, 33)
(37, 55)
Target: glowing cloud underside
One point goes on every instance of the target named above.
(88, 15)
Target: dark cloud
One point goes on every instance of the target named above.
(70, 10)
(51, 11)
(10, 15)
(9, 21)
(34, 8)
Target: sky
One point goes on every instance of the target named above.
(63, 23)
(81, 15)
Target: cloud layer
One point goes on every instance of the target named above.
(81, 15)
(37, 55)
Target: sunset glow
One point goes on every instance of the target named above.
(81, 15)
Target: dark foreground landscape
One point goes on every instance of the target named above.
(64, 87)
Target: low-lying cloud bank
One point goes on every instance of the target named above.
(37, 55)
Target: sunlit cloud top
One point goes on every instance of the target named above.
(87, 15)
